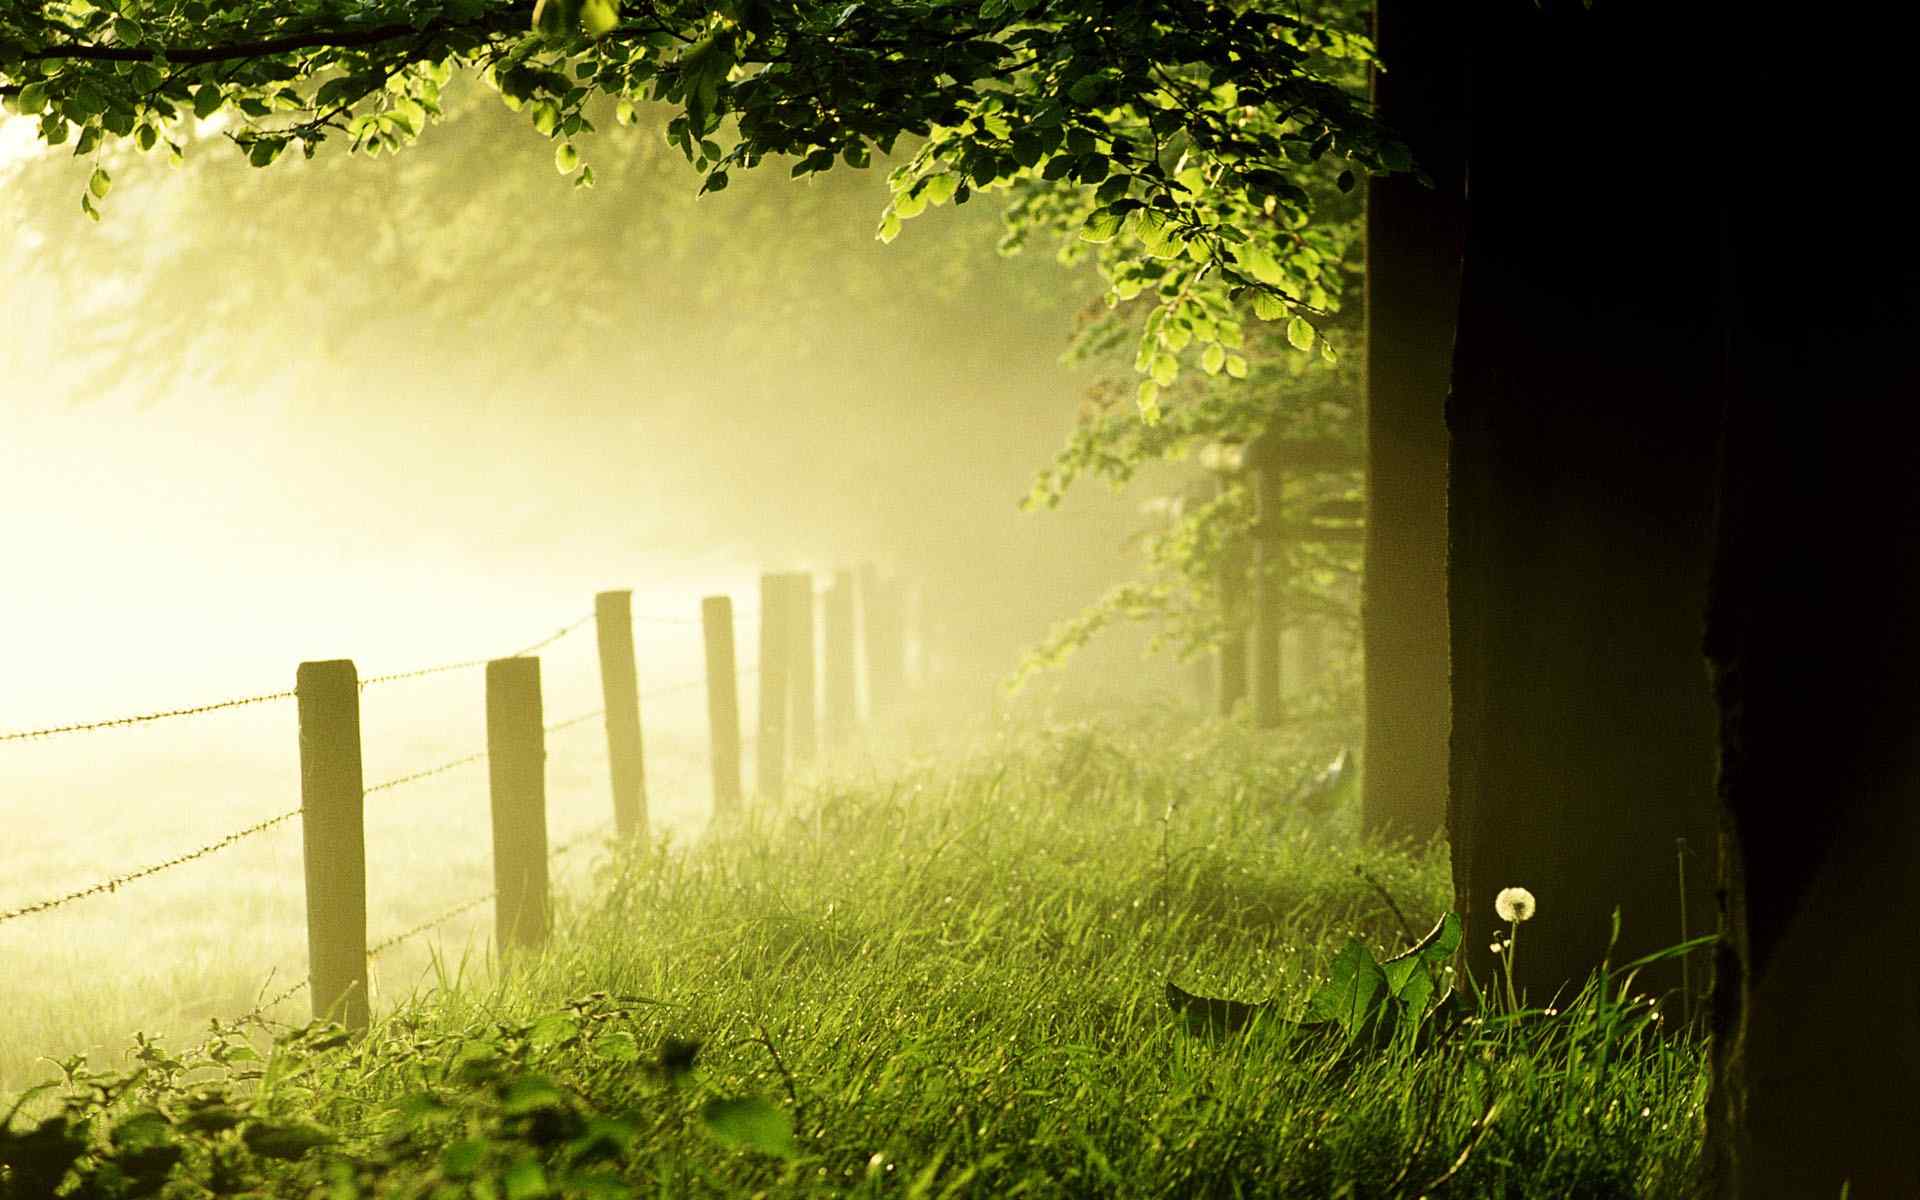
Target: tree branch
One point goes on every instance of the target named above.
(308, 40)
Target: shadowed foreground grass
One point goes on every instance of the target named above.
(945, 984)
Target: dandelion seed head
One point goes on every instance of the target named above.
(1514, 904)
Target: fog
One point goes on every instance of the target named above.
(400, 411)
(418, 412)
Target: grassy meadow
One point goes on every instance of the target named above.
(215, 936)
(942, 980)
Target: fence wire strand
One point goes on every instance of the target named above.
(430, 772)
(464, 906)
(119, 881)
(570, 722)
(143, 718)
(471, 663)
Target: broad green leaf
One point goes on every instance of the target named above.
(1237, 366)
(100, 183)
(1354, 982)
(1300, 334)
(599, 17)
(625, 113)
(1268, 307)
(1259, 263)
(1102, 226)
(551, 1030)
(565, 158)
(1166, 369)
(1213, 358)
(750, 1123)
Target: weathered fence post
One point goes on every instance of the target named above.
(723, 703)
(776, 628)
(1269, 593)
(839, 654)
(886, 642)
(804, 726)
(333, 840)
(620, 693)
(517, 770)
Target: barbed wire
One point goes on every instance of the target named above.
(381, 947)
(423, 672)
(464, 906)
(570, 722)
(143, 718)
(117, 882)
(555, 636)
(417, 776)
(471, 663)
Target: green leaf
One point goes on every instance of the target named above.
(1213, 358)
(1148, 401)
(1268, 307)
(565, 158)
(750, 1123)
(551, 1030)
(1354, 982)
(528, 1093)
(31, 100)
(625, 113)
(1236, 366)
(619, 1046)
(270, 1140)
(1102, 226)
(1259, 262)
(100, 183)
(1166, 369)
(599, 17)
(1300, 334)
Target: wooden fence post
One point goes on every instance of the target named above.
(333, 840)
(886, 648)
(839, 654)
(620, 693)
(723, 703)
(1269, 593)
(517, 769)
(804, 727)
(776, 628)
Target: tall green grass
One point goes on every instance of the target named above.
(946, 982)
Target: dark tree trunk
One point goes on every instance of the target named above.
(1815, 641)
(1414, 242)
(1583, 451)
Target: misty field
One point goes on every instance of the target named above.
(946, 981)
(216, 936)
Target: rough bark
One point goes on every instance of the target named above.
(1815, 642)
(1582, 459)
(1414, 238)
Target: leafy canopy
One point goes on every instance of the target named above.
(1178, 137)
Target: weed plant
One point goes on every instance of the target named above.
(948, 983)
